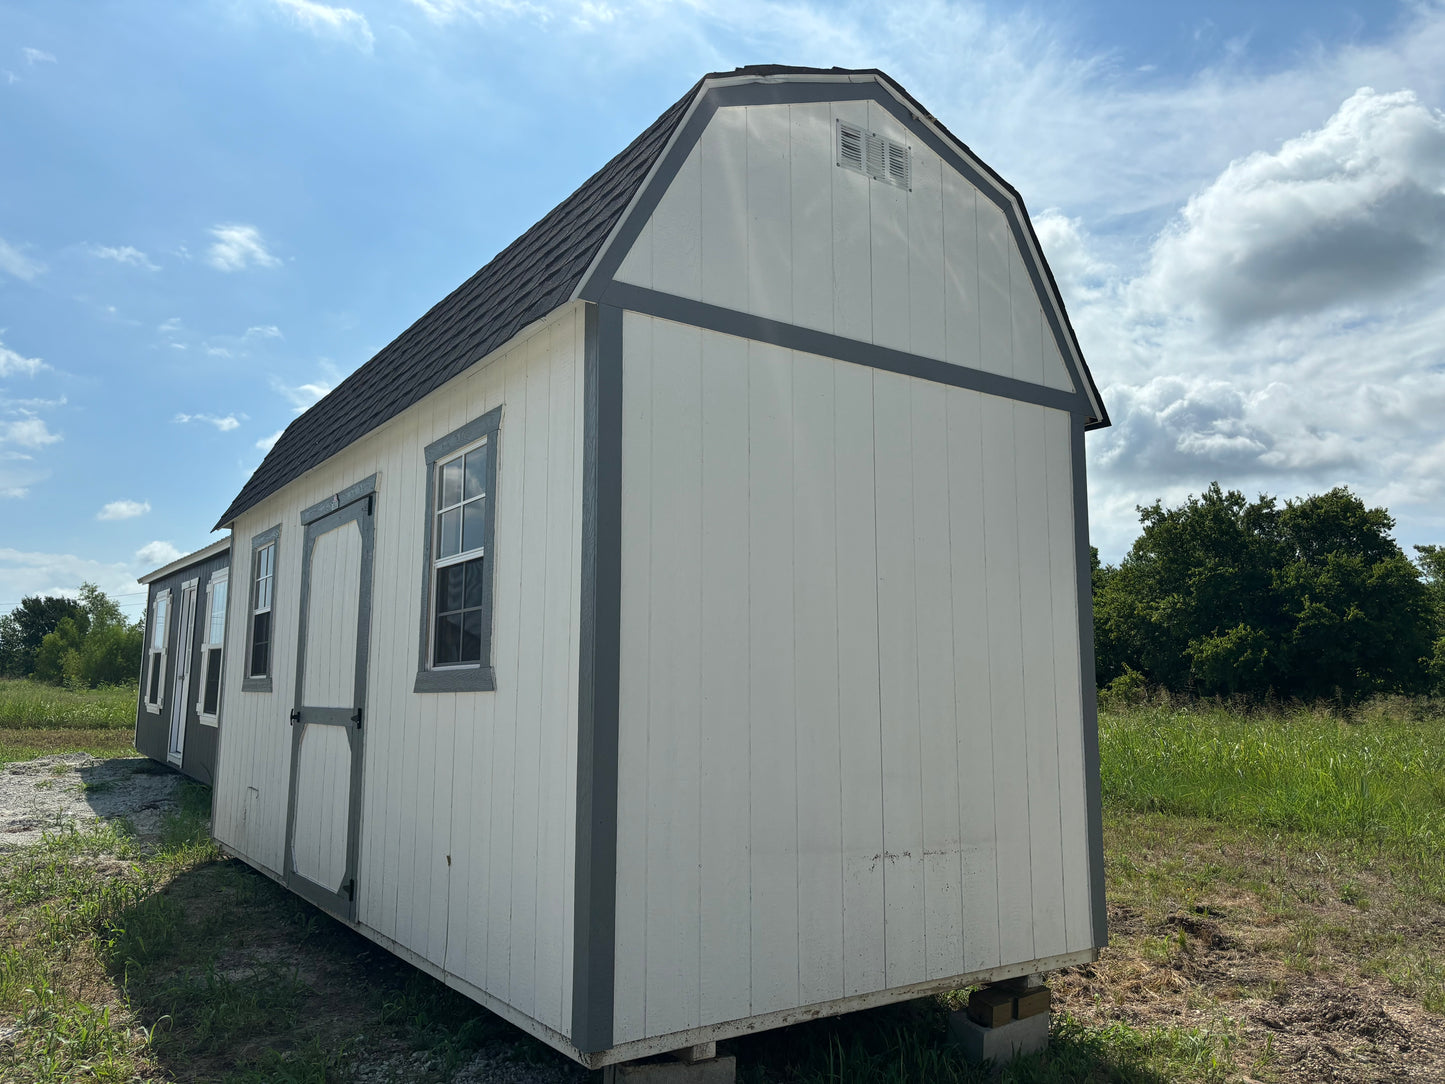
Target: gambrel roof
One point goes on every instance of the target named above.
(546, 267)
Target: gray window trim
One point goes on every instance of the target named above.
(477, 679)
(251, 684)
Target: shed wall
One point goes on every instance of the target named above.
(152, 731)
(760, 219)
(469, 799)
(850, 740)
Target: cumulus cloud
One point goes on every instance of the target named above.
(265, 444)
(266, 331)
(237, 247)
(28, 433)
(124, 254)
(223, 423)
(37, 56)
(14, 262)
(302, 396)
(156, 554)
(123, 510)
(336, 22)
(13, 364)
(1351, 211)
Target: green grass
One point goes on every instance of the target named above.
(28, 744)
(33, 705)
(1378, 779)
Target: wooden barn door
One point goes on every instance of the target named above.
(181, 694)
(324, 811)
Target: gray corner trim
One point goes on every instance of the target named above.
(595, 910)
(599, 282)
(342, 903)
(339, 500)
(1088, 687)
(262, 684)
(747, 326)
(471, 679)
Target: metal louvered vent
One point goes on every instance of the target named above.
(879, 157)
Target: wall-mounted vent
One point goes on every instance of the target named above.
(879, 157)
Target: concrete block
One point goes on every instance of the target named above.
(722, 1070)
(991, 1006)
(1032, 1002)
(1001, 1044)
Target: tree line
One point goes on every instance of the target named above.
(1310, 599)
(82, 642)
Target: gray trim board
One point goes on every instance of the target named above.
(351, 493)
(594, 943)
(810, 341)
(250, 684)
(470, 679)
(341, 903)
(1093, 798)
(600, 284)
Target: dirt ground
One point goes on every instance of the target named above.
(71, 789)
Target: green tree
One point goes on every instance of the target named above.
(1431, 560)
(1225, 596)
(58, 645)
(23, 628)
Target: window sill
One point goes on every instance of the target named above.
(209, 720)
(480, 679)
(154, 709)
(255, 684)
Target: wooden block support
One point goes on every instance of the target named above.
(991, 1007)
(1032, 1002)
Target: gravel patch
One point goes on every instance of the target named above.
(74, 789)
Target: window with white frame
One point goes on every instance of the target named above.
(208, 706)
(157, 637)
(457, 605)
(260, 605)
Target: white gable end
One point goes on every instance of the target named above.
(762, 219)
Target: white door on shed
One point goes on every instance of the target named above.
(325, 798)
(184, 633)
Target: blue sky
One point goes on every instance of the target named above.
(211, 212)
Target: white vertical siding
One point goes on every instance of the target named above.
(849, 731)
(761, 219)
(469, 799)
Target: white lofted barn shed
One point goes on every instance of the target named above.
(684, 627)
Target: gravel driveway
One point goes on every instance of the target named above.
(73, 789)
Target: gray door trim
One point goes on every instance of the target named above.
(1088, 688)
(999, 192)
(595, 883)
(342, 903)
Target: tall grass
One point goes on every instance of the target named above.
(1377, 778)
(27, 705)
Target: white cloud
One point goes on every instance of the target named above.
(14, 492)
(15, 262)
(267, 443)
(237, 247)
(28, 433)
(123, 510)
(218, 352)
(302, 396)
(337, 22)
(156, 554)
(124, 254)
(25, 573)
(267, 331)
(224, 424)
(1341, 215)
(37, 56)
(13, 364)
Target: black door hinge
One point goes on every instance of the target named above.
(295, 716)
(350, 889)
(356, 718)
